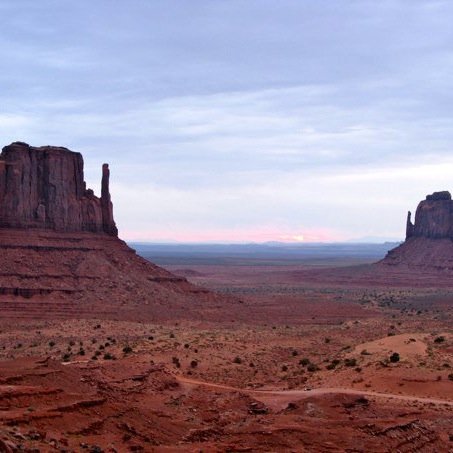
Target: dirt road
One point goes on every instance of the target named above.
(279, 398)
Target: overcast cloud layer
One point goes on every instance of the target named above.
(239, 120)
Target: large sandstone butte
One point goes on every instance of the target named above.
(60, 255)
(44, 188)
(429, 240)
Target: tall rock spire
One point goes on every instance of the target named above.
(108, 223)
(409, 226)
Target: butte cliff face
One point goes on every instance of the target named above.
(60, 256)
(44, 188)
(429, 240)
(433, 218)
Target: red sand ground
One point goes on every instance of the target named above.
(297, 361)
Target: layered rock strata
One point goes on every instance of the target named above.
(60, 256)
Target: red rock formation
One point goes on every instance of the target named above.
(44, 188)
(429, 239)
(409, 226)
(59, 251)
(434, 216)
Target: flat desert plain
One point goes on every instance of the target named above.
(323, 356)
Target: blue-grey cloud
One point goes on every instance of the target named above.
(228, 105)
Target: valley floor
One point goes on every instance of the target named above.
(293, 365)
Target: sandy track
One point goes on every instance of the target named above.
(283, 396)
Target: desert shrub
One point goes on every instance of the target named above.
(187, 345)
(284, 368)
(326, 340)
(81, 351)
(365, 352)
(294, 353)
(176, 362)
(395, 357)
(172, 335)
(66, 357)
(450, 376)
(350, 362)
(312, 367)
(440, 339)
(237, 360)
(108, 356)
(72, 343)
(193, 364)
(127, 349)
(304, 361)
(151, 338)
(333, 364)
(51, 344)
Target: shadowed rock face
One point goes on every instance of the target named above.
(44, 188)
(433, 218)
(429, 240)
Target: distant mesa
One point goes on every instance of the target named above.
(429, 240)
(44, 188)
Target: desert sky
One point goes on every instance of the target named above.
(232, 121)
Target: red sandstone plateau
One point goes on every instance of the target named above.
(103, 351)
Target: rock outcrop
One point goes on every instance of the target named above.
(44, 188)
(429, 240)
(60, 256)
(433, 218)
